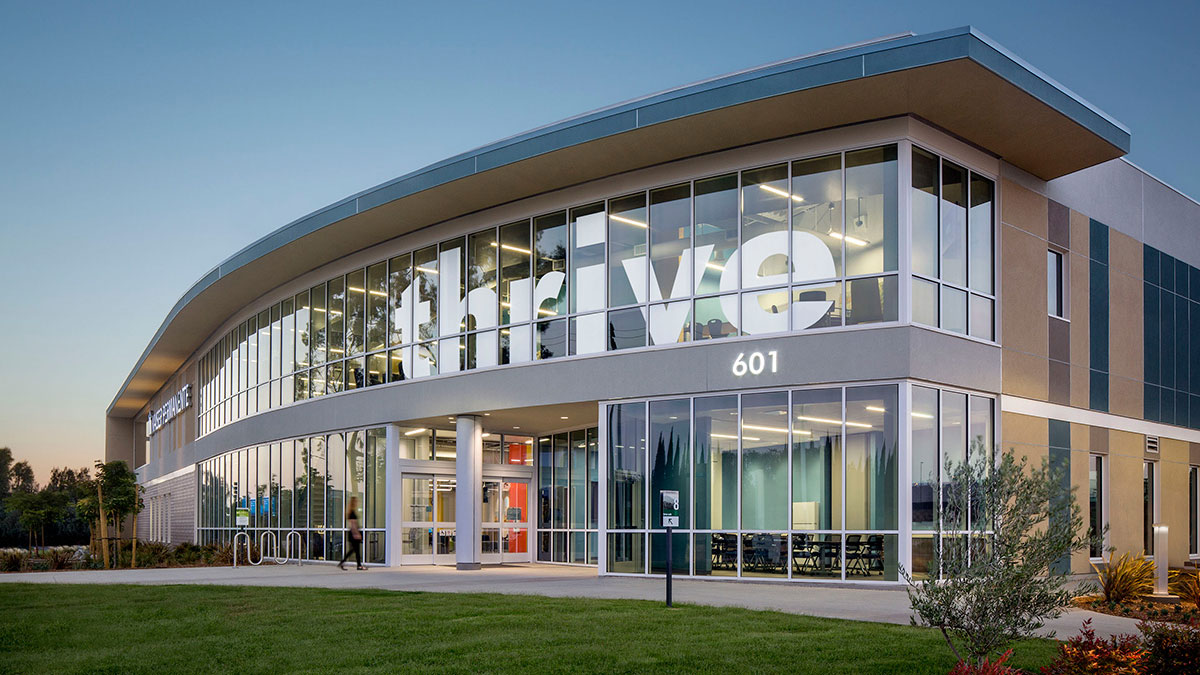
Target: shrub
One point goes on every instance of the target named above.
(1186, 585)
(14, 560)
(154, 554)
(59, 557)
(1126, 578)
(1086, 653)
(1170, 647)
(188, 554)
(986, 667)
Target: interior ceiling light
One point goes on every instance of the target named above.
(849, 239)
(426, 270)
(875, 408)
(563, 417)
(714, 266)
(755, 427)
(510, 247)
(414, 432)
(628, 221)
(357, 290)
(379, 293)
(922, 415)
(782, 193)
(826, 420)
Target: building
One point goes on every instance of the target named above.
(793, 294)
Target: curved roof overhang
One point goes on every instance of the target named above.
(958, 80)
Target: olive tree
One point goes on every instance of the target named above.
(1004, 530)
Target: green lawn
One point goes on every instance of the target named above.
(68, 628)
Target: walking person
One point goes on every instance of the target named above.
(354, 538)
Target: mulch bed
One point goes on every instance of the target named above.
(1184, 612)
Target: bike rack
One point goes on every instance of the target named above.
(236, 536)
(262, 543)
(262, 547)
(287, 539)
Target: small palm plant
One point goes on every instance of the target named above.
(1125, 578)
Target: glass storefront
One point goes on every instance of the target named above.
(799, 484)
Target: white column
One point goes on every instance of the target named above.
(394, 513)
(468, 492)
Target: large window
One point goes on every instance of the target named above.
(779, 484)
(303, 485)
(952, 215)
(949, 429)
(807, 244)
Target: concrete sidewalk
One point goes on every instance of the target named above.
(887, 605)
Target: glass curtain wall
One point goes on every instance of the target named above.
(948, 429)
(952, 216)
(779, 484)
(301, 485)
(799, 245)
(567, 488)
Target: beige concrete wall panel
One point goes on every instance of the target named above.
(1081, 436)
(1080, 234)
(1025, 375)
(1024, 429)
(1079, 287)
(1125, 351)
(1125, 397)
(1126, 443)
(1125, 253)
(1081, 386)
(1174, 457)
(1125, 502)
(1024, 208)
(1195, 453)
(1024, 292)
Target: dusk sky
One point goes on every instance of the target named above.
(143, 143)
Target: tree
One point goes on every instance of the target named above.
(6, 461)
(1012, 524)
(21, 478)
(36, 510)
(118, 496)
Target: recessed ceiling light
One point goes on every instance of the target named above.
(487, 414)
(516, 427)
(563, 417)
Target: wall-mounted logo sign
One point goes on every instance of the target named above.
(167, 412)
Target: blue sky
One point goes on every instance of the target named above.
(142, 143)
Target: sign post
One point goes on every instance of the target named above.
(243, 519)
(670, 520)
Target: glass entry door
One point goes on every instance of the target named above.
(427, 525)
(505, 527)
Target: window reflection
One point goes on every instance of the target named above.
(627, 233)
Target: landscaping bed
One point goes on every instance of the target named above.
(1142, 609)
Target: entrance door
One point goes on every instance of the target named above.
(514, 521)
(427, 525)
(417, 524)
(504, 531)
(444, 532)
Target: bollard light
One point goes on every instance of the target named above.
(1160, 558)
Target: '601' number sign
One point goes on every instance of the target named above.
(756, 363)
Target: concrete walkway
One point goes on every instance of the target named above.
(888, 605)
